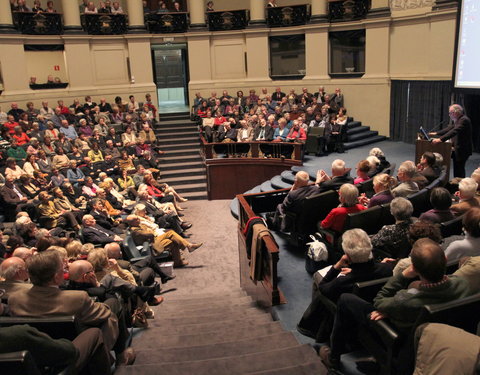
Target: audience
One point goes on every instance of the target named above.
(441, 200)
(470, 245)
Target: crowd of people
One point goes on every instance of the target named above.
(271, 117)
(81, 183)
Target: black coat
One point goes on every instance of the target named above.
(335, 183)
(460, 133)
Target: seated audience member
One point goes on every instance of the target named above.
(75, 175)
(14, 273)
(427, 166)
(16, 152)
(13, 200)
(27, 188)
(363, 167)
(400, 301)
(379, 154)
(96, 234)
(392, 240)
(60, 161)
(467, 191)
(57, 178)
(382, 185)
(45, 298)
(292, 202)
(31, 165)
(406, 172)
(20, 136)
(348, 196)
(340, 176)
(374, 166)
(470, 245)
(356, 265)
(441, 200)
(168, 241)
(56, 218)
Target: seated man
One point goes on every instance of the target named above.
(94, 233)
(467, 191)
(292, 202)
(169, 241)
(15, 276)
(340, 176)
(427, 167)
(46, 299)
(406, 172)
(400, 300)
(355, 266)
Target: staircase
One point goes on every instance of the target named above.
(181, 166)
(223, 334)
(360, 135)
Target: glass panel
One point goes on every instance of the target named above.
(347, 52)
(287, 56)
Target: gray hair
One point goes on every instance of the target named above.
(356, 244)
(468, 187)
(408, 167)
(401, 208)
(349, 194)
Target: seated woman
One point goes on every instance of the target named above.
(208, 124)
(31, 165)
(380, 155)
(90, 188)
(27, 187)
(56, 218)
(63, 203)
(348, 196)
(337, 125)
(125, 162)
(470, 245)
(75, 175)
(20, 136)
(95, 154)
(13, 169)
(382, 185)
(392, 240)
(441, 200)
(356, 265)
(363, 167)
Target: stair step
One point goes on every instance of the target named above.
(192, 187)
(184, 180)
(266, 186)
(180, 146)
(195, 305)
(196, 195)
(182, 152)
(229, 296)
(357, 130)
(229, 365)
(169, 166)
(250, 345)
(353, 124)
(184, 158)
(234, 208)
(278, 183)
(174, 122)
(153, 338)
(183, 137)
(179, 140)
(184, 172)
(174, 131)
(306, 369)
(288, 176)
(363, 142)
(362, 135)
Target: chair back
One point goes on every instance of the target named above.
(18, 363)
(57, 327)
(452, 227)
(367, 290)
(130, 248)
(368, 220)
(387, 217)
(314, 209)
(420, 201)
(366, 187)
(390, 170)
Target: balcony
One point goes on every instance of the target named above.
(228, 20)
(104, 24)
(294, 15)
(348, 10)
(38, 23)
(167, 23)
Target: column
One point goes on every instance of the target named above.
(379, 8)
(197, 14)
(6, 19)
(71, 17)
(319, 11)
(257, 13)
(136, 19)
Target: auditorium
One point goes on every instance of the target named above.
(257, 187)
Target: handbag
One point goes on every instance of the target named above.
(317, 254)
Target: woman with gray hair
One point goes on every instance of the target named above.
(392, 240)
(348, 196)
(356, 265)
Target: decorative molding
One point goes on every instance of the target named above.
(410, 4)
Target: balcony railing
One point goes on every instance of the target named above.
(348, 10)
(104, 24)
(166, 23)
(228, 20)
(38, 23)
(288, 16)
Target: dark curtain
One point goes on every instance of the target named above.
(418, 103)
(471, 103)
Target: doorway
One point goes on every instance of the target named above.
(170, 66)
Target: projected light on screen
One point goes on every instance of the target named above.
(467, 69)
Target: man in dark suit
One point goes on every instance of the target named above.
(292, 202)
(96, 234)
(460, 132)
(340, 176)
(14, 201)
(264, 132)
(278, 95)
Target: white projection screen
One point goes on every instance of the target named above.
(466, 69)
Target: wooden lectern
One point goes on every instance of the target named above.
(443, 148)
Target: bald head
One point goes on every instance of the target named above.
(302, 178)
(113, 250)
(429, 260)
(78, 269)
(23, 252)
(13, 269)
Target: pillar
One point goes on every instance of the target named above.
(197, 14)
(257, 13)
(136, 19)
(71, 17)
(6, 19)
(319, 11)
(379, 8)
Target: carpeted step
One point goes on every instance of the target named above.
(225, 309)
(362, 135)
(209, 297)
(196, 195)
(184, 172)
(176, 122)
(250, 345)
(257, 189)
(184, 180)
(179, 146)
(311, 368)
(153, 338)
(179, 129)
(189, 139)
(359, 129)
(167, 158)
(230, 365)
(188, 188)
(172, 166)
(234, 209)
(288, 176)
(174, 116)
(208, 303)
(172, 134)
(178, 153)
(363, 142)
(278, 183)
(266, 186)
(353, 124)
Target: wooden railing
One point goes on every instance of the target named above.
(33, 23)
(348, 10)
(265, 291)
(104, 24)
(288, 16)
(228, 20)
(166, 23)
